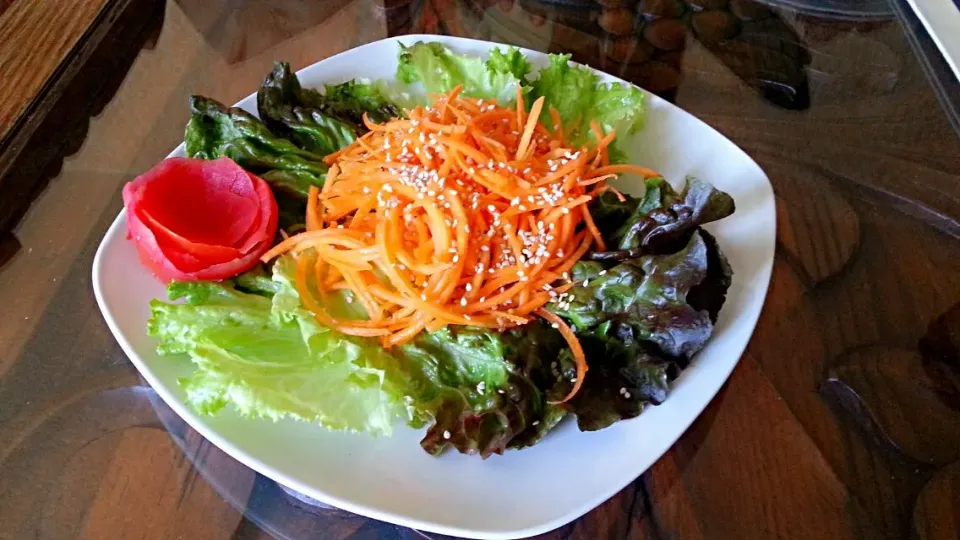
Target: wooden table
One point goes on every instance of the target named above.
(841, 421)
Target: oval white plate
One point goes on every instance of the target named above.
(522, 493)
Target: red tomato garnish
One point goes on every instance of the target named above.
(194, 219)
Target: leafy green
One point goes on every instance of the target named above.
(350, 100)
(639, 323)
(577, 95)
(293, 183)
(618, 107)
(215, 131)
(486, 388)
(711, 293)
(257, 281)
(623, 379)
(511, 61)
(288, 109)
(268, 358)
(662, 221)
(649, 295)
(609, 213)
(440, 70)
(322, 122)
(568, 88)
(259, 350)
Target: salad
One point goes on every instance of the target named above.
(442, 251)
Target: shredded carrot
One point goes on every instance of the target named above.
(531, 125)
(625, 168)
(575, 348)
(463, 213)
(314, 218)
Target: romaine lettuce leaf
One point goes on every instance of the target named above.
(440, 70)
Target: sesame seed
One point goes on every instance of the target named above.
(446, 434)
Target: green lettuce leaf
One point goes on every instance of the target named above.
(322, 122)
(487, 389)
(576, 93)
(510, 61)
(440, 70)
(350, 100)
(568, 88)
(215, 130)
(257, 349)
(293, 112)
(268, 358)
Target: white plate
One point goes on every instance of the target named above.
(521, 493)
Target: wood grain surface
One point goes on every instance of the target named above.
(841, 420)
(35, 37)
(60, 62)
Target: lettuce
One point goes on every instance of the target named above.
(440, 70)
(661, 222)
(489, 418)
(270, 359)
(576, 93)
(639, 323)
(257, 349)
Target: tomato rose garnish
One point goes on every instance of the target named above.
(195, 219)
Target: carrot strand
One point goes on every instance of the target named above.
(463, 213)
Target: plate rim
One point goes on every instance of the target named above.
(223, 444)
